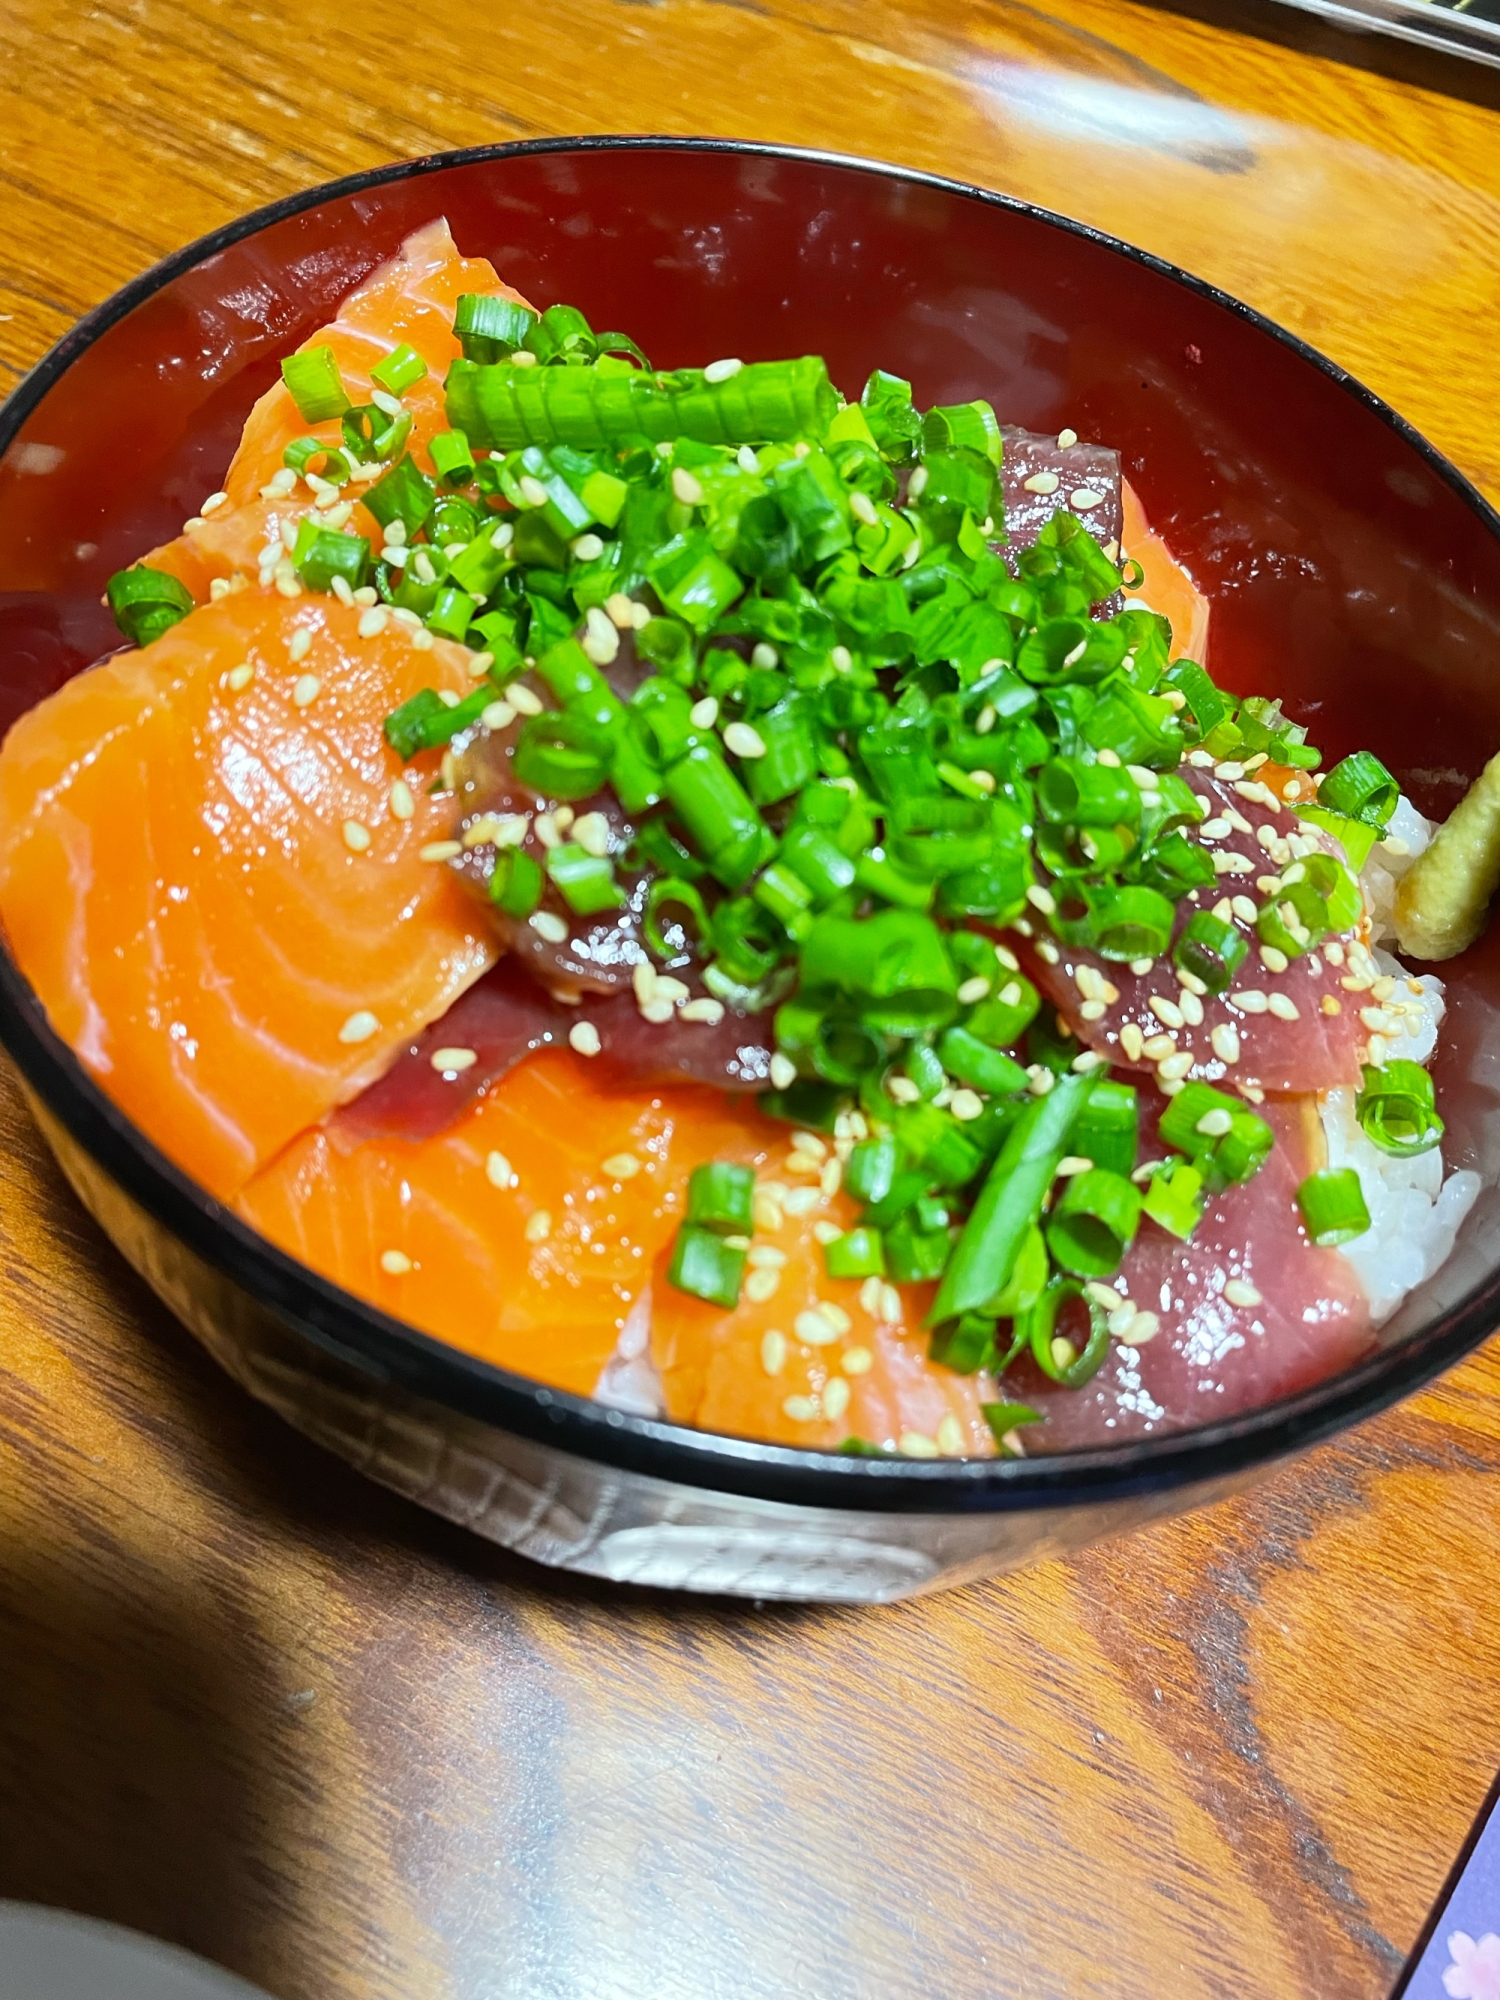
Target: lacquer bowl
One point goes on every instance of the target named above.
(1351, 568)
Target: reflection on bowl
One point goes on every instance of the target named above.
(1348, 565)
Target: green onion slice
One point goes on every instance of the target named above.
(1361, 788)
(1093, 1223)
(315, 384)
(146, 602)
(1333, 1206)
(1070, 1369)
(1397, 1110)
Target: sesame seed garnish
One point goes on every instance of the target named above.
(890, 1304)
(815, 1327)
(862, 507)
(1143, 1327)
(213, 503)
(1010, 992)
(1226, 1042)
(1249, 1000)
(1330, 1006)
(1272, 959)
(1072, 1164)
(1093, 1010)
(300, 643)
(622, 1166)
(372, 622)
(1201, 760)
(1173, 1068)
(1121, 1315)
(547, 924)
(743, 741)
(1132, 1041)
(440, 850)
(972, 991)
(686, 488)
(1214, 829)
(1233, 864)
(835, 1398)
(601, 641)
(400, 801)
(707, 1010)
(1039, 1080)
(306, 691)
(422, 641)
(802, 1200)
(451, 1062)
(1158, 1046)
(1375, 1018)
(720, 371)
(1214, 1124)
(773, 1350)
(360, 1026)
(966, 1104)
(498, 1171)
(902, 1089)
(396, 1262)
(1042, 482)
(1066, 439)
(239, 678)
(1166, 1011)
(1283, 1006)
(1190, 1007)
(1244, 909)
(704, 714)
(801, 1409)
(950, 1437)
(810, 1143)
(856, 1361)
(583, 1038)
(356, 836)
(538, 1226)
(1041, 899)
(522, 699)
(1240, 1292)
(1084, 497)
(915, 1444)
(1089, 1059)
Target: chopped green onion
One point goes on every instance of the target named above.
(965, 1345)
(562, 754)
(1361, 788)
(1093, 1222)
(1004, 1419)
(1106, 1129)
(1210, 949)
(718, 815)
(321, 554)
(1333, 1206)
(913, 1255)
(1174, 1198)
(721, 1197)
(858, 1253)
(1397, 1109)
(516, 882)
(870, 1169)
(669, 892)
(1075, 793)
(1353, 835)
(1128, 922)
(146, 602)
(403, 494)
(452, 457)
(426, 722)
(402, 367)
(1342, 896)
(1294, 920)
(315, 384)
(490, 329)
(1056, 1356)
(971, 425)
(1011, 1199)
(301, 452)
(1222, 1138)
(707, 1267)
(964, 1056)
(586, 881)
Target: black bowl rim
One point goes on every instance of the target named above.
(390, 1352)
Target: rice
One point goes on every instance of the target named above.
(629, 1380)
(1414, 1212)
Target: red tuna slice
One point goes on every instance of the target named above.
(1292, 1030)
(1083, 479)
(506, 1015)
(1250, 1310)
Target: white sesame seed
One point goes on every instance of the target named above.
(915, 1444)
(522, 358)
(966, 1104)
(856, 1361)
(773, 1351)
(359, 1027)
(950, 1436)
(809, 1142)
(1084, 497)
(499, 715)
(1042, 482)
(1090, 1059)
(890, 1304)
(902, 1089)
(1248, 1000)
(746, 459)
(1093, 1010)
(449, 697)
(1240, 1292)
(720, 371)
(523, 700)
(618, 608)
(1143, 1327)
(339, 585)
(587, 548)
(801, 1200)
(1272, 959)
(1072, 1165)
(826, 1232)
(1121, 1314)
(1039, 1079)
(532, 490)
(400, 800)
(815, 1328)
(538, 1226)
(1156, 1047)
(862, 507)
(1375, 1018)
(1243, 908)
(306, 690)
(300, 643)
(765, 656)
(1041, 899)
(1282, 1006)
(1173, 1067)
(704, 714)
(1225, 1042)
(1104, 1295)
(1233, 864)
(498, 1171)
(422, 641)
(972, 991)
(601, 641)
(547, 924)
(708, 1011)
(743, 741)
(783, 1072)
(395, 1262)
(1214, 1124)
(372, 622)
(622, 1166)
(239, 678)
(1132, 1041)
(1214, 829)
(546, 830)
(1166, 1011)
(801, 1409)
(1190, 1007)
(583, 1036)
(686, 488)
(356, 836)
(440, 850)
(453, 1060)
(832, 1177)
(1066, 439)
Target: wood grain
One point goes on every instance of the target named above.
(249, 1703)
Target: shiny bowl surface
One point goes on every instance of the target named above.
(1351, 567)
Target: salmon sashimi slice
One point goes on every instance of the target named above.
(527, 1232)
(411, 299)
(1250, 1310)
(206, 883)
(1165, 585)
(1297, 1028)
(805, 1359)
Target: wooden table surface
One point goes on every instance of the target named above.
(254, 1705)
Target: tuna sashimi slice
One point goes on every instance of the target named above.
(206, 883)
(1250, 1311)
(1298, 1029)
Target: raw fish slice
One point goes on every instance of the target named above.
(507, 1015)
(1165, 586)
(461, 1210)
(1089, 471)
(178, 884)
(1320, 1047)
(1212, 1357)
(412, 298)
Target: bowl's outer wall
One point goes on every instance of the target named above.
(1351, 570)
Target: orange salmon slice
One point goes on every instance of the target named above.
(206, 882)
(1165, 585)
(411, 299)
